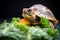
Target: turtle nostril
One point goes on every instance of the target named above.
(29, 10)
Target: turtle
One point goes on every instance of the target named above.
(36, 11)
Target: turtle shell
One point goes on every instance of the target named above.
(39, 10)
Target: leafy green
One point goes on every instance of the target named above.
(38, 34)
(44, 22)
(52, 32)
(16, 23)
(8, 30)
(15, 19)
(17, 31)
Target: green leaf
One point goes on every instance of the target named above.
(23, 27)
(44, 22)
(38, 34)
(52, 32)
(15, 19)
(8, 31)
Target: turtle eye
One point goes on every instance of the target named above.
(29, 10)
(35, 9)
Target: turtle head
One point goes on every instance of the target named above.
(29, 14)
(26, 11)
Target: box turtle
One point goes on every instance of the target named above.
(36, 11)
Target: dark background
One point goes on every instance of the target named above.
(13, 8)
